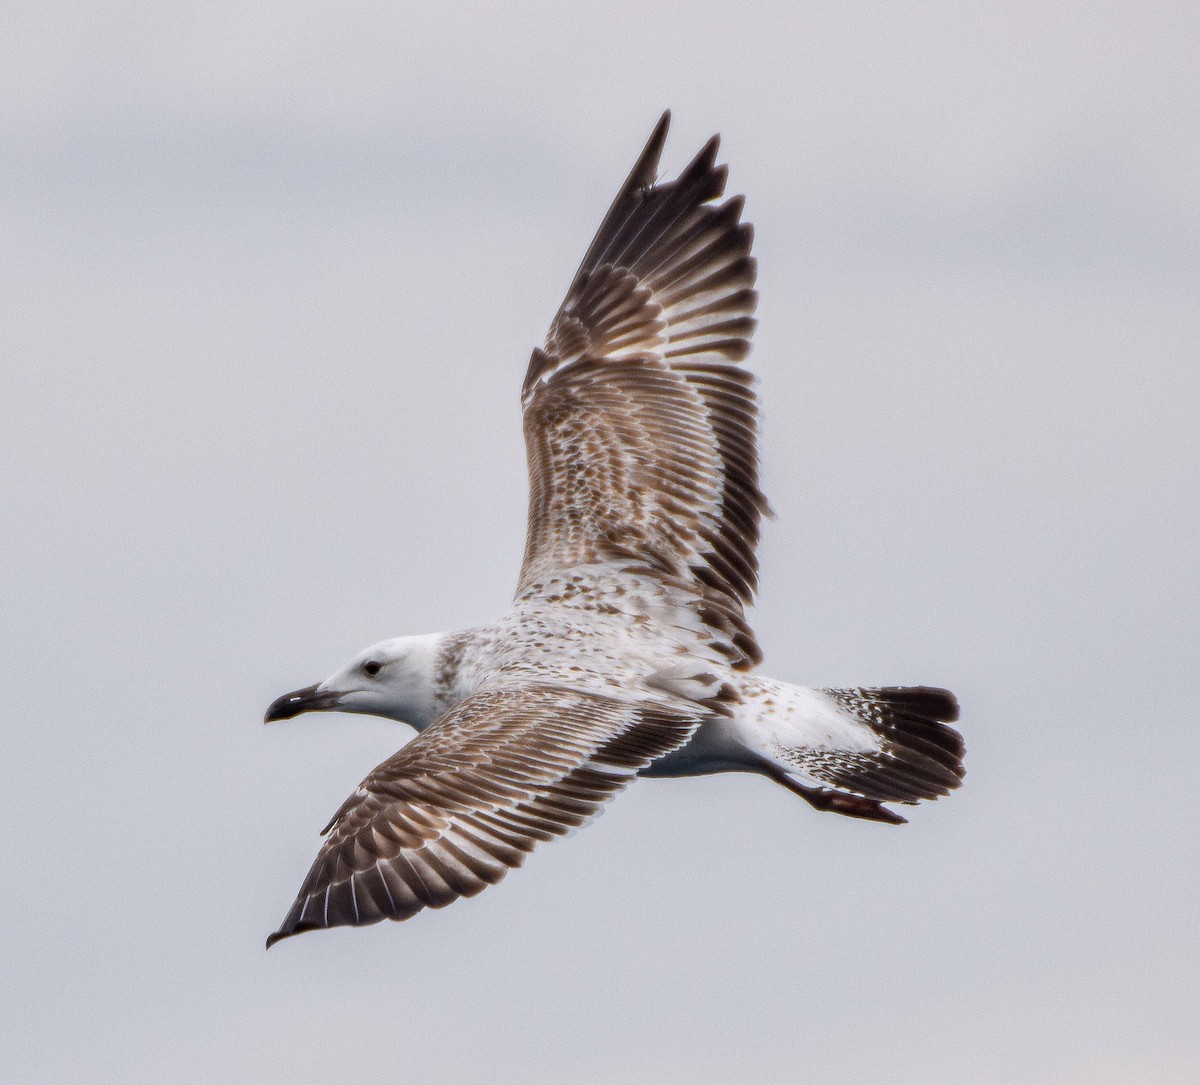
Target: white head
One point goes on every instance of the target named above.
(395, 679)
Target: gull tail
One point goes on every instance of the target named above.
(850, 750)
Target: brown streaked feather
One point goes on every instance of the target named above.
(640, 426)
(466, 800)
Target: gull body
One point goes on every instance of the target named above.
(769, 727)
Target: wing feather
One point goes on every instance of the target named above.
(467, 799)
(640, 425)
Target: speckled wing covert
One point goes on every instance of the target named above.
(466, 800)
(640, 425)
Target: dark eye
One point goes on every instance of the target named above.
(372, 667)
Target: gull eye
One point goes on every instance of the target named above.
(372, 667)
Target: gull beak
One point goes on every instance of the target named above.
(309, 699)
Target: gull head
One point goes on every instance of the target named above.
(393, 679)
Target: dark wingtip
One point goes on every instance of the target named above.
(708, 153)
(645, 171)
(279, 936)
(290, 926)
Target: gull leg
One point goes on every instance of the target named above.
(820, 798)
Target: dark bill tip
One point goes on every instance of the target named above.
(309, 699)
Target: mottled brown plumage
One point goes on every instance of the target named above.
(458, 807)
(640, 425)
(627, 650)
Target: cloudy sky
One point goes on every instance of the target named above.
(271, 276)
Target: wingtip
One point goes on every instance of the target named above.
(284, 932)
(703, 169)
(711, 147)
(646, 171)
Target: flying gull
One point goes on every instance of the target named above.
(627, 651)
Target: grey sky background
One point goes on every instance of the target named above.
(271, 277)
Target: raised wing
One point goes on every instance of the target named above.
(467, 799)
(640, 426)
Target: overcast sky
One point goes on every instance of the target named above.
(271, 275)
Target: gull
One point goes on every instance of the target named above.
(627, 651)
